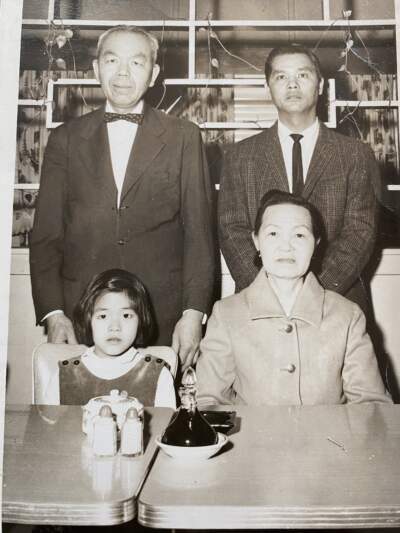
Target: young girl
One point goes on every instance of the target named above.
(114, 320)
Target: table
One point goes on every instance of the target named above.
(52, 477)
(286, 467)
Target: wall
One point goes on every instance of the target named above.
(24, 335)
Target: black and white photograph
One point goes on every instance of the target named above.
(200, 265)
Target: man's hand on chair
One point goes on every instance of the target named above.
(60, 329)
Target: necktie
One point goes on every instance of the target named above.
(136, 118)
(297, 165)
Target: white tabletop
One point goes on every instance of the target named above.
(52, 477)
(286, 467)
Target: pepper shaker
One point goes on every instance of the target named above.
(132, 434)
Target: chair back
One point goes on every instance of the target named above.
(45, 359)
(166, 353)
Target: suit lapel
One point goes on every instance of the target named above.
(275, 162)
(321, 156)
(94, 152)
(148, 143)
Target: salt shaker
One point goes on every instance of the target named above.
(132, 434)
(104, 433)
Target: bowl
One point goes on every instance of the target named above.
(192, 453)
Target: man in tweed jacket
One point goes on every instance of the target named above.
(341, 179)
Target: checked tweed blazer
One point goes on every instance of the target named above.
(342, 182)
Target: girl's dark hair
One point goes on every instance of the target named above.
(115, 280)
(276, 197)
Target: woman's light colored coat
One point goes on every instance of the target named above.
(254, 354)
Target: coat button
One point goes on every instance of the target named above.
(289, 368)
(121, 242)
(288, 328)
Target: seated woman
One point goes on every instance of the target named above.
(114, 319)
(284, 339)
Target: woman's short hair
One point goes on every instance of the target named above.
(129, 29)
(115, 280)
(288, 50)
(276, 197)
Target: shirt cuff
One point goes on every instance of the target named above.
(204, 319)
(55, 312)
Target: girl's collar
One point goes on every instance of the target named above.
(125, 358)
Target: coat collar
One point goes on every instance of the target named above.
(323, 153)
(96, 121)
(274, 155)
(263, 302)
(148, 143)
(95, 152)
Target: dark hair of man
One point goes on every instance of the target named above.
(153, 42)
(291, 49)
(276, 197)
(115, 280)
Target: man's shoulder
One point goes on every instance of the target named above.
(80, 122)
(251, 145)
(173, 122)
(346, 141)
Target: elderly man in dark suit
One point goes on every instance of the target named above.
(299, 154)
(125, 186)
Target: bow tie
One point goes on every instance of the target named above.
(136, 118)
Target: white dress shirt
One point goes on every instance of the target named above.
(121, 135)
(308, 142)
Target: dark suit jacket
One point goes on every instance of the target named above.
(162, 231)
(342, 182)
